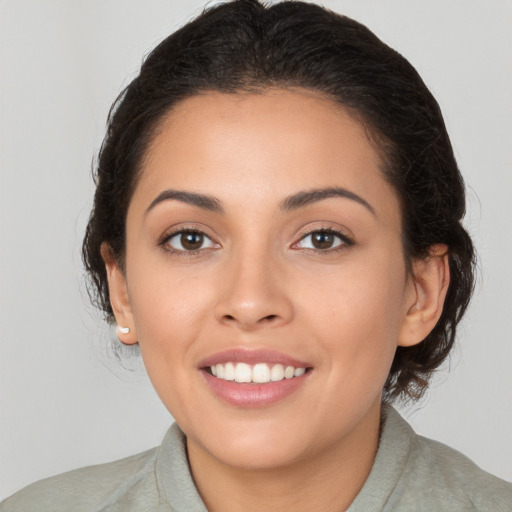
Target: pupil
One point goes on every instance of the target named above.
(191, 241)
(323, 240)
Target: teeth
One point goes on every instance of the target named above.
(260, 373)
(229, 371)
(277, 373)
(299, 371)
(288, 372)
(242, 372)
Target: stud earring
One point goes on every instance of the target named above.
(123, 330)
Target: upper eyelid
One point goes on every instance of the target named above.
(343, 234)
(344, 241)
(172, 234)
(176, 230)
(325, 230)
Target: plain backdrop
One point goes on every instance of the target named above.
(65, 399)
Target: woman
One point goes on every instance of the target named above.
(277, 224)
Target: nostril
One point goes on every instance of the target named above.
(265, 319)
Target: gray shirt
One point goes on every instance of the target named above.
(410, 473)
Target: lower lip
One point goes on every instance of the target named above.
(253, 395)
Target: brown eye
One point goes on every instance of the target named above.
(323, 240)
(190, 241)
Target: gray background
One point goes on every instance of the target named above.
(65, 400)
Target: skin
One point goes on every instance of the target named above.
(257, 282)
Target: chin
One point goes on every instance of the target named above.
(260, 453)
(264, 445)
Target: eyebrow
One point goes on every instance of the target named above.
(307, 197)
(293, 202)
(205, 202)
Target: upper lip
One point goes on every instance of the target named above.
(251, 356)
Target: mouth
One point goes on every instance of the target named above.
(253, 379)
(259, 373)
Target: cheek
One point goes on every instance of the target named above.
(357, 313)
(170, 315)
(169, 307)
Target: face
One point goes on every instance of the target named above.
(262, 236)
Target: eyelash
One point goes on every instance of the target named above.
(164, 243)
(346, 241)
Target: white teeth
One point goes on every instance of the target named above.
(299, 371)
(288, 372)
(220, 371)
(260, 373)
(243, 373)
(229, 371)
(277, 373)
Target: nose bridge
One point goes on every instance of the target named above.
(253, 289)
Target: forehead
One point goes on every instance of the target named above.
(261, 146)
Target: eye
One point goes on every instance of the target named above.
(323, 240)
(189, 241)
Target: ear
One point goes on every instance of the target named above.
(119, 298)
(427, 289)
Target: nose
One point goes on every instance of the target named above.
(253, 294)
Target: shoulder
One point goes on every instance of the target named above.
(87, 489)
(434, 476)
(157, 480)
(454, 475)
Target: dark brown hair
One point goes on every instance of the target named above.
(246, 46)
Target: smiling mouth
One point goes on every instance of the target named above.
(259, 373)
(254, 378)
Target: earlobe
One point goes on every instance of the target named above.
(429, 284)
(119, 298)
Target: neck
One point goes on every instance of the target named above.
(329, 481)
